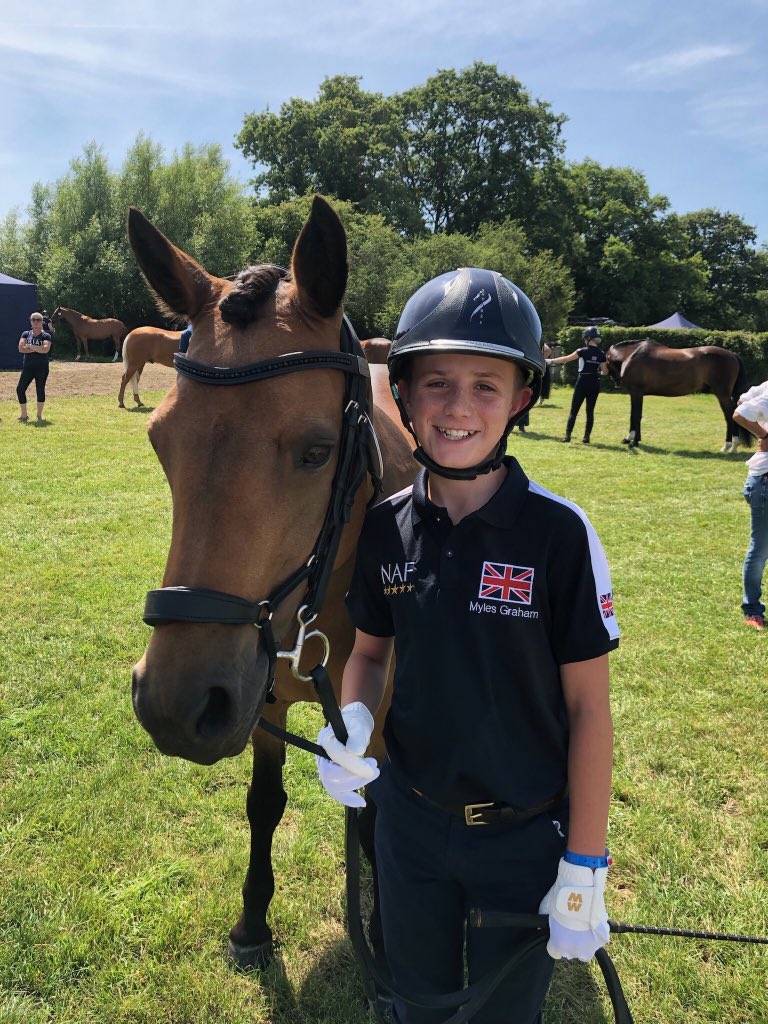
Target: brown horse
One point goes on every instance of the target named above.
(251, 470)
(86, 329)
(647, 368)
(376, 350)
(145, 345)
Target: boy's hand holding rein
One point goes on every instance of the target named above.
(348, 769)
(578, 920)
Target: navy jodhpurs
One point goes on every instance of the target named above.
(586, 389)
(432, 869)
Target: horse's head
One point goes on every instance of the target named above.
(250, 469)
(614, 357)
(56, 315)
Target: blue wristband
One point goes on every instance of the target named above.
(587, 862)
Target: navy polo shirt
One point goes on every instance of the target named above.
(483, 614)
(590, 358)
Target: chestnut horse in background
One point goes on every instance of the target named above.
(377, 350)
(251, 470)
(145, 345)
(86, 329)
(646, 367)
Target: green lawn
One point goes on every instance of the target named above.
(121, 869)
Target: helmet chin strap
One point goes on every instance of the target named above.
(462, 474)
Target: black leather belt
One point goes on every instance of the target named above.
(495, 812)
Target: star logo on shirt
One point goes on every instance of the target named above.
(401, 588)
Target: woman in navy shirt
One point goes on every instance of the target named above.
(34, 344)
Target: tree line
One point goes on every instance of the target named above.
(466, 169)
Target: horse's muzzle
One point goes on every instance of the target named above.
(197, 713)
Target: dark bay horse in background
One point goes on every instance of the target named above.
(646, 367)
(86, 329)
(251, 471)
(145, 345)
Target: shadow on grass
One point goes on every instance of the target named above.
(575, 996)
(632, 450)
(685, 453)
(333, 993)
(144, 409)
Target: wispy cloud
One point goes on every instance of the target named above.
(679, 62)
(736, 117)
(112, 61)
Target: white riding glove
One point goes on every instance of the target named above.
(578, 920)
(348, 769)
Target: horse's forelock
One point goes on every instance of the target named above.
(253, 286)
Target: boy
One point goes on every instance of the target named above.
(497, 599)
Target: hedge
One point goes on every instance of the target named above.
(752, 347)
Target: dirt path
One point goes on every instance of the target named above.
(78, 380)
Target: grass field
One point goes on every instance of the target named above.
(121, 870)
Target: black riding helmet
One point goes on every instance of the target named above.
(474, 311)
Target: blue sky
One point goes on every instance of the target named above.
(675, 89)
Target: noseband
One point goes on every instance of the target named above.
(358, 453)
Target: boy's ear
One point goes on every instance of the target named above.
(524, 396)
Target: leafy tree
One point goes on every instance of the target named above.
(15, 251)
(474, 141)
(460, 150)
(626, 264)
(340, 144)
(734, 269)
(74, 244)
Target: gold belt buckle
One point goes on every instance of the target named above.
(472, 811)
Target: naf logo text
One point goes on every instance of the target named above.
(394, 576)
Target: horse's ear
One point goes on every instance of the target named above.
(179, 282)
(319, 262)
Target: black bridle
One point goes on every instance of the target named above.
(358, 454)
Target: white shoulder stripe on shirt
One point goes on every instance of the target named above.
(600, 569)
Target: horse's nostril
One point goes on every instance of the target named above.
(216, 714)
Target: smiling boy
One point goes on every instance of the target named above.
(496, 788)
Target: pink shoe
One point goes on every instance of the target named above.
(755, 621)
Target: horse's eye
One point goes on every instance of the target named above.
(317, 455)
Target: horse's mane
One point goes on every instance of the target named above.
(252, 287)
(633, 341)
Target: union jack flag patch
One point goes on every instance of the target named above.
(606, 605)
(512, 583)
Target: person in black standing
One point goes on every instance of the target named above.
(47, 325)
(34, 345)
(591, 364)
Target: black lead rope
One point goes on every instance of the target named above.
(471, 999)
(474, 997)
(324, 690)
